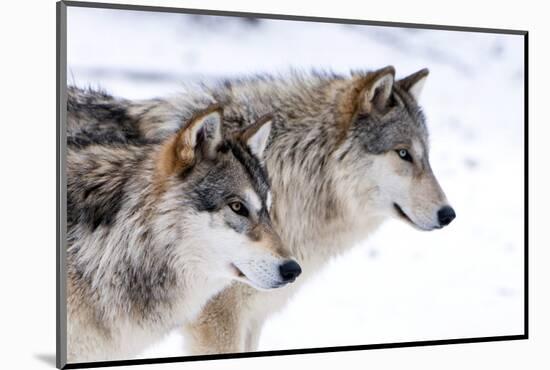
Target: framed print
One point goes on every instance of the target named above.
(237, 185)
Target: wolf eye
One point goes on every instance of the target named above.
(239, 208)
(404, 155)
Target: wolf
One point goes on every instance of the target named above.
(156, 228)
(346, 152)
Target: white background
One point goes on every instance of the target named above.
(28, 187)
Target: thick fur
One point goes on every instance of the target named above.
(154, 232)
(335, 167)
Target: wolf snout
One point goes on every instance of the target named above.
(446, 215)
(290, 270)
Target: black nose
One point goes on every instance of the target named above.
(446, 215)
(290, 270)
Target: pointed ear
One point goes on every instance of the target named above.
(414, 83)
(363, 94)
(378, 89)
(256, 136)
(201, 136)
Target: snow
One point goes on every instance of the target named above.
(401, 284)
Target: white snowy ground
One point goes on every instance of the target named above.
(401, 284)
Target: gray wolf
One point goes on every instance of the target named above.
(346, 152)
(155, 229)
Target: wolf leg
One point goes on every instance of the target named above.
(220, 327)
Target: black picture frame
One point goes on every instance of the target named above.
(61, 116)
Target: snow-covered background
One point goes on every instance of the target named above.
(400, 285)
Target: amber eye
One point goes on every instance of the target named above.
(239, 208)
(404, 155)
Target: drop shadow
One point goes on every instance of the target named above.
(47, 358)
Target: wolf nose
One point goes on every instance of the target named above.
(290, 270)
(446, 215)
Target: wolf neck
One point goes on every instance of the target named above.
(312, 215)
(314, 218)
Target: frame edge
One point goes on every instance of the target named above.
(61, 114)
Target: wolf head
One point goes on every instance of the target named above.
(225, 197)
(387, 141)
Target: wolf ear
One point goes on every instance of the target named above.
(203, 133)
(378, 90)
(256, 136)
(414, 83)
